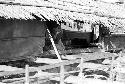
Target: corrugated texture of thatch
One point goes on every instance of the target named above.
(111, 15)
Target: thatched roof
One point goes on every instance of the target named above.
(66, 10)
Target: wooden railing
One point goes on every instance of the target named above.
(84, 56)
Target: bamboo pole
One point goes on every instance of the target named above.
(111, 70)
(59, 57)
(81, 68)
(27, 81)
(54, 46)
(62, 74)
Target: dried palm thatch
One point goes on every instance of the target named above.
(112, 15)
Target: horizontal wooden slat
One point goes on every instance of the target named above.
(47, 75)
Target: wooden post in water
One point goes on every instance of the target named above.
(27, 81)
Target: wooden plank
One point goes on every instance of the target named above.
(31, 69)
(22, 80)
(45, 76)
(85, 56)
(47, 60)
(79, 80)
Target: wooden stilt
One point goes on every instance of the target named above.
(27, 74)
